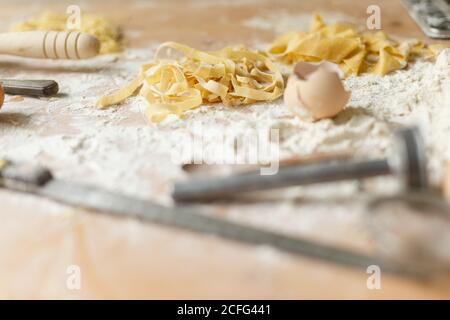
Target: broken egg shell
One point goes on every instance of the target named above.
(293, 101)
(304, 69)
(315, 91)
(323, 94)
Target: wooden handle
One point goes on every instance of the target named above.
(49, 44)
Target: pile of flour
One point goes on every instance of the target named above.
(113, 147)
(119, 149)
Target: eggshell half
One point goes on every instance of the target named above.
(293, 101)
(304, 69)
(323, 94)
(315, 90)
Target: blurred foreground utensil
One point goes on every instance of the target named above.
(407, 162)
(40, 181)
(412, 229)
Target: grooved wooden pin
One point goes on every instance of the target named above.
(49, 44)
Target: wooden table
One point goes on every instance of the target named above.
(120, 258)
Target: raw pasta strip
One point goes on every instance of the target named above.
(233, 76)
(371, 52)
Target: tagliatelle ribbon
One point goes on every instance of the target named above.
(233, 76)
(354, 52)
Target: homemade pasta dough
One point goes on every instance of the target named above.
(354, 52)
(233, 76)
(108, 34)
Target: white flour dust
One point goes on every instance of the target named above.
(282, 21)
(118, 149)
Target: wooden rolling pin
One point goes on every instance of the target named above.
(49, 44)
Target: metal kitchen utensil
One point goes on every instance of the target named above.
(40, 88)
(433, 16)
(406, 162)
(412, 229)
(39, 181)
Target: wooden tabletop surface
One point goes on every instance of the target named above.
(122, 258)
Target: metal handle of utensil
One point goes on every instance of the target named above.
(39, 88)
(23, 176)
(412, 229)
(219, 188)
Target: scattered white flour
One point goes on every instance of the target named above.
(417, 95)
(118, 149)
(282, 21)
